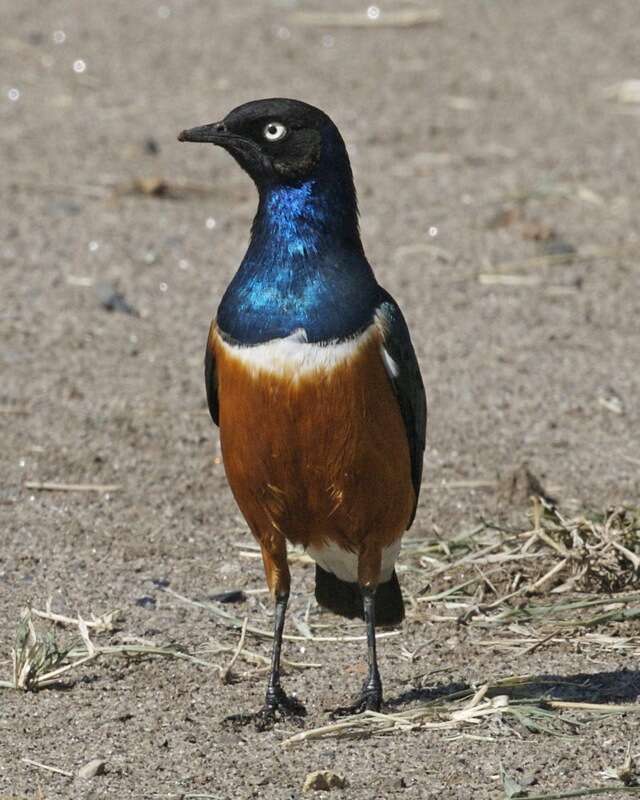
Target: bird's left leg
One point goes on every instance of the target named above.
(370, 697)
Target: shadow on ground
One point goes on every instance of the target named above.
(618, 686)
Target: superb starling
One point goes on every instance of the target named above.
(311, 375)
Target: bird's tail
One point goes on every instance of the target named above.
(345, 598)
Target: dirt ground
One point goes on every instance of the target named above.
(471, 141)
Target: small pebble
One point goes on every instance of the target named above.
(557, 247)
(146, 601)
(232, 596)
(112, 300)
(323, 780)
(92, 768)
(151, 146)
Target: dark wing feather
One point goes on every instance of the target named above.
(404, 373)
(211, 381)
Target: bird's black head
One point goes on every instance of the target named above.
(276, 141)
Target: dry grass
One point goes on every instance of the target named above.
(491, 711)
(628, 790)
(226, 618)
(39, 659)
(559, 578)
(496, 574)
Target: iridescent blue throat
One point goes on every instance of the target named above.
(304, 268)
(293, 218)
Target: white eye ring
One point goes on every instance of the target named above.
(274, 131)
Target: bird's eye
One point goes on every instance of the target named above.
(274, 131)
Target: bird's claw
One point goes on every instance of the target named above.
(369, 699)
(278, 707)
(282, 708)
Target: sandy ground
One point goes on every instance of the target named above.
(448, 125)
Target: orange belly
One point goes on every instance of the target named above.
(317, 457)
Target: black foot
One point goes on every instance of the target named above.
(278, 707)
(369, 699)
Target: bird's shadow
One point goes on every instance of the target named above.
(617, 686)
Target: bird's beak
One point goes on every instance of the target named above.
(215, 133)
(245, 151)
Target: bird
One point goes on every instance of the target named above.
(313, 380)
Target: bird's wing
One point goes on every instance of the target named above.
(211, 379)
(402, 367)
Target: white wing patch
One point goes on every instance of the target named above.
(389, 364)
(382, 322)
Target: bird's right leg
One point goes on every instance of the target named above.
(277, 703)
(276, 567)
